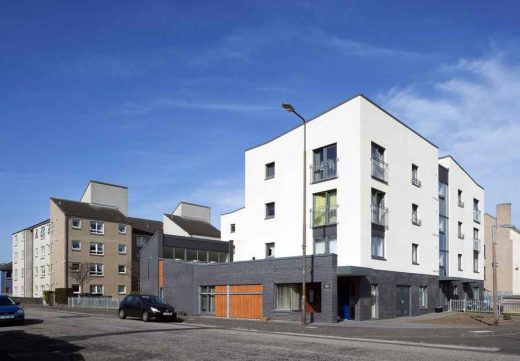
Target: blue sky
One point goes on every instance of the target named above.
(164, 96)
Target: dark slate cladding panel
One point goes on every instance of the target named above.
(443, 174)
(325, 231)
(182, 281)
(196, 243)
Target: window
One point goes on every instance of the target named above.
(36, 271)
(75, 289)
(36, 252)
(42, 253)
(324, 163)
(475, 234)
(415, 176)
(96, 269)
(74, 267)
(459, 261)
(122, 228)
(76, 223)
(325, 244)
(324, 211)
(232, 228)
(287, 297)
(476, 293)
(415, 215)
(475, 261)
(121, 289)
(207, 299)
(121, 248)
(269, 170)
(140, 241)
(96, 289)
(269, 250)
(423, 297)
(42, 271)
(76, 245)
(415, 248)
(379, 167)
(35, 231)
(476, 211)
(459, 198)
(460, 232)
(269, 210)
(97, 249)
(42, 232)
(121, 269)
(374, 302)
(97, 227)
(378, 246)
(379, 212)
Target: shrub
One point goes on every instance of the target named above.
(61, 295)
(47, 296)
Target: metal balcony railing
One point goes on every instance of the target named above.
(323, 216)
(461, 204)
(476, 244)
(461, 235)
(416, 221)
(476, 215)
(379, 169)
(324, 170)
(416, 182)
(379, 215)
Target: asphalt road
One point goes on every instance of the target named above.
(52, 335)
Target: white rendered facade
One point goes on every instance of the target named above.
(41, 259)
(353, 127)
(22, 263)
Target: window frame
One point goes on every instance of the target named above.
(97, 251)
(119, 228)
(72, 245)
(423, 297)
(415, 253)
(267, 205)
(376, 256)
(97, 272)
(232, 228)
(270, 246)
(119, 269)
(97, 292)
(72, 223)
(97, 230)
(271, 165)
(460, 262)
(119, 292)
(119, 250)
(296, 292)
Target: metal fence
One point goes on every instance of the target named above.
(505, 306)
(93, 302)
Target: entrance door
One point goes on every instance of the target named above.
(239, 301)
(402, 301)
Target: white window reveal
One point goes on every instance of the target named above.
(76, 223)
(76, 245)
(96, 269)
(96, 289)
(97, 227)
(122, 228)
(122, 269)
(97, 249)
(121, 249)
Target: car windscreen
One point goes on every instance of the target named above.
(154, 300)
(6, 301)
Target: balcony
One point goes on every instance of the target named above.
(323, 217)
(476, 245)
(460, 235)
(379, 215)
(324, 170)
(416, 221)
(461, 204)
(379, 170)
(416, 182)
(476, 215)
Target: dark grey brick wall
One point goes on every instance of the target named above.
(148, 265)
(182, 281)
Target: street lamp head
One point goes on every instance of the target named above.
(288, 107)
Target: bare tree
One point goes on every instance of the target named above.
(80, 272)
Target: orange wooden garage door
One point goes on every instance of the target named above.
(245, 301)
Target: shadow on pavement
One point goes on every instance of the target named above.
(18, 344)
(28, 321)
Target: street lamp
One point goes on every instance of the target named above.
(495, 265)
(289, 108)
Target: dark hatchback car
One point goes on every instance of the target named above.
(147, 308)
(10, 311)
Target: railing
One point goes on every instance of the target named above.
(379, 215)
(476, 244)
(416, 221)
(379, 169)
(461, 204)
(93, 302)
(324, 170)
(416, 182)
(476, 215)
(323, 216)
(479, 306)
(461, 235)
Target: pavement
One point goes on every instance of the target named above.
(65, 334)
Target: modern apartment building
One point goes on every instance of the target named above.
(22, 257)
(41, 260)
(6, 278)
(402, 224)
(507, 252)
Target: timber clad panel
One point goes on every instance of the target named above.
(245, 301)
(161, 273)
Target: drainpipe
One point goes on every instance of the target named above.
(67, 252)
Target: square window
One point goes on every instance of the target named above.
(96, 269)
(269, 210)
(269, 170)
(74, 267)
(76, 245)
(287, 297)
(122, 228)
(121, 249)
(121, 269)
(76, 223)
(96, 289)
(121, 289)
(97, 227)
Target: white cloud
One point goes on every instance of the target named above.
(472, 111)
(350, 47)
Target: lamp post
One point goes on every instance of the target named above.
(289, 108)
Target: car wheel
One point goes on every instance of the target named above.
(122, 314)
(145, 316)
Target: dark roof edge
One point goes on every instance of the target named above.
(338, 105)
(33, 226)
(457, 163)
(89, 204)
(236, 210)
